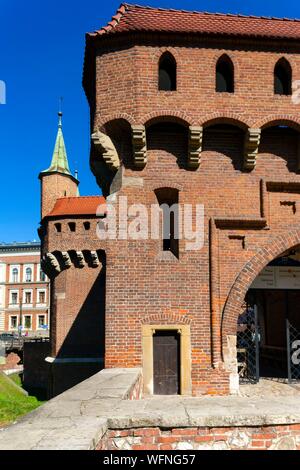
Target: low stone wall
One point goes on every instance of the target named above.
(234, 438)
(78, 418)
(107, 412)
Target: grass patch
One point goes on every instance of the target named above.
(16, 378)
(13, 403)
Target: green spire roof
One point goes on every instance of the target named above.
(59, 159)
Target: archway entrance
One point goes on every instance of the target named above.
(268, 329)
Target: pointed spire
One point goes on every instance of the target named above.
(59, 159)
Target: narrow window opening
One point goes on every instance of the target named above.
(72, 226)
(167, 73)
(28, 275)
(14, 322)
(224, 75)
(15, 275)
(42, 297)
(58, 227)
(282, 78)
(27, 322)
(168, 202)
(41, 321)
(87, 225)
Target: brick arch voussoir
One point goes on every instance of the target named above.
(114, 117)
(169, 114)
(225, 118)
(274, 248)
(166, 184)
(157, 53)
(165, 319)
(283, 119)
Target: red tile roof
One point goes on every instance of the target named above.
(130, 18)
(77, 206)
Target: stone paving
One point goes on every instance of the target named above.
(268, 388)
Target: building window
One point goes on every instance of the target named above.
(13, 322)
(72, 226)
(28, 277)
(283, 78)
(27, 322)
(27, 297)
(167, 72)
(42, 276)
(41, 321)
(15, 275)
(168, 201)
(57, 227)
(14, 298)
(87, 225)
(224, 75)
(42, 297)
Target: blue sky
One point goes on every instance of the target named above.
(42, 47)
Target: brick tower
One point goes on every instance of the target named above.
(196, 109)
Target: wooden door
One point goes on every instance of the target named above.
(166, 362)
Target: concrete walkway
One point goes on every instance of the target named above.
(78, 418)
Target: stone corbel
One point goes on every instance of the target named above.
(94, 259)
(139, 145)
(105, 147)
(66, 259)
(252, 142)
(51, 264)
(195, 146)
(80, 259)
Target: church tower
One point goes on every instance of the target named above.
(57, 181)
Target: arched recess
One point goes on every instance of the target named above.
(283, 77)
(167, 136)
(167, 72)
(224, 75)
(224, 137)
(107, 154)
(276, 246)
(279, 144)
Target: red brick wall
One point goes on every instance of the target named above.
(126, 81)
(281, 437)
(78, 313)
(141, 285)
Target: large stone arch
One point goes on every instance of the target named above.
(275, 246)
